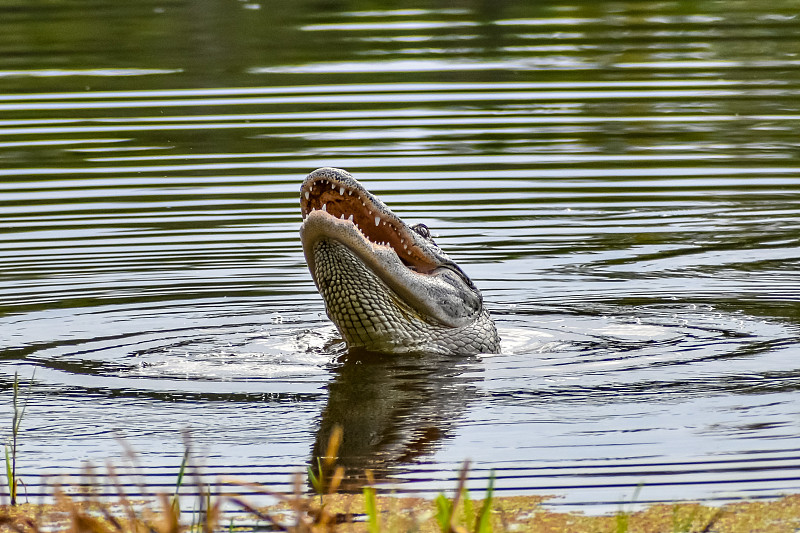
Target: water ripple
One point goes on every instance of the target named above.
(623, 186)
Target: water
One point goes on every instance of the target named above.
(622, 180)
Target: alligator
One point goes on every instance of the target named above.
(387, 286)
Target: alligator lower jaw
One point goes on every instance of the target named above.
(319, 225)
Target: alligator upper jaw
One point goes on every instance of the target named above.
(335, 206)
(336, 192)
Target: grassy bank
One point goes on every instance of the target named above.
(372, 513)
(327, 510)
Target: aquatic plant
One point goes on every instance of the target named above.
(11, 450)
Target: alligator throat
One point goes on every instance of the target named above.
(386, 285)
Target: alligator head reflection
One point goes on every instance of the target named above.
(392, 411)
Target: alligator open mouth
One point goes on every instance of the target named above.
(386, 285)
(346, 200)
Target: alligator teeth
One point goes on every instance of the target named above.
(307, 195)
(333, 186)
(325, 207)
(350, 218)
(341, 216)
(405, 247)
(341, 191)
(377, 221)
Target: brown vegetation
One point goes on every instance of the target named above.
(300, 512)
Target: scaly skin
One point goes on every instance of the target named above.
(353, 246)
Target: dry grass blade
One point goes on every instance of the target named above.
(334, 441)
(139, 476)
(300, 505)
(257, 488)
(251, 509)
(713, 520)
(170, 519)
(89, 510)
(111, 519)
(18, 524)
(124, 502)
(462, 484)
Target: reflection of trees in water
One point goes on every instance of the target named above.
(392, 410)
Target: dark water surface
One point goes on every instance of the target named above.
(622, 179)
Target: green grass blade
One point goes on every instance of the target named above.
(21, 413)
(14, 398)
(484, 523)
(469, 509)
(12, 483)
(622, 522)
(179, 482)
(444, 512)
(313, 479)
(371, 508)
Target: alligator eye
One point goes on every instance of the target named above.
(422, 230)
